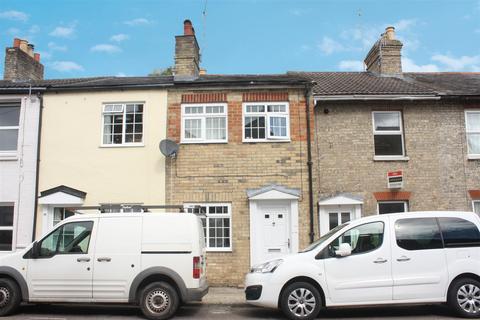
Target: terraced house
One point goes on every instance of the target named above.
(421, 129)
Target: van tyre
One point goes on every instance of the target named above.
(10, 296)
(464, 297)
(301, 300)
(159, 301)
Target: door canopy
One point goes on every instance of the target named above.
(273, 192)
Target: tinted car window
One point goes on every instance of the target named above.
(363, 238)
(459, 232)
(418, 234)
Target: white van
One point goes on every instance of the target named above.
(154, 260)
(414, 257)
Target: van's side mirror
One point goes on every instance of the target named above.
(35, 250)
(344, 250)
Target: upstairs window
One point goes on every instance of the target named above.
(388, 134)
(9, 125)
(264, 122)
(123, 124)
(204, 123)
(472, 126)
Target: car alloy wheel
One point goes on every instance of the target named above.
(301, 302)
(468, 298)
(4, 296)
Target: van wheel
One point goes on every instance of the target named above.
(9, 296)
(301, 300)
(464, 297)
(159, 301)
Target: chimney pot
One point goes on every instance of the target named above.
(24, 45)
(16, 43)
(390, 33)
(188, 28)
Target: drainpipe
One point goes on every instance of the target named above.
(308, 94)
(37, 173)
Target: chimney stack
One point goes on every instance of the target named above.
(187, 54)
(22, 63)
(385, 57)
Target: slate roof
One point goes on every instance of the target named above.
(254, 192)
(362, 83)
(64, 189)
(448, 83)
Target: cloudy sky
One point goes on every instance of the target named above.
(120, 37)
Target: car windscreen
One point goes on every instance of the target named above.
(323, 238)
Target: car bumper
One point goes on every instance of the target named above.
(197, 294)
(261, 290)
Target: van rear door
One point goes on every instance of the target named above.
(117, 257)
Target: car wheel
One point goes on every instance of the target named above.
(159, 301)
(464, 297)
(10, 297)
(301, 300)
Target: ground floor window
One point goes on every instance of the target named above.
(476, 206)
(217, 224)
(60, 214)
(392, 206)
(6, 226)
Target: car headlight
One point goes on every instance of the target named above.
(266, 267)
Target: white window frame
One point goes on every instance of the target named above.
(267, 116)
(405, 204)
(473, 206)
(467, 132)
(12, 153)
(8, 228)
(203, 116)
(124, 110)
(390, 132)
(216, 215)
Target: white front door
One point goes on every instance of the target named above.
(64, 269)
(276, 241)
(419, 265)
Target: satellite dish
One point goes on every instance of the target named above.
(169, 148)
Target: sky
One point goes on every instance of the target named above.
(81, 38)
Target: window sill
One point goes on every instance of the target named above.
(8, 156)
(220, 250)
(203, 142)
(473, 157)
(133, 145)
(266, 141)
(391, 158)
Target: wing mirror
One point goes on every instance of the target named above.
(35, 250)
(344, 250)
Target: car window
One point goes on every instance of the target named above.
(459, 232)
(418, 234)
(323, 238)
(362, 239)
(71, 238)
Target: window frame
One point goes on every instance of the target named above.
(405, 205)
(203, 127)
(268, 137)
(9, 228)
(467, 132)
(13, 153)
(473, 206)
(124, 111)
(389, 132)
(207, 215)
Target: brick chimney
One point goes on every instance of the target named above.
(385, 57)
(187, 54)
(21, 63)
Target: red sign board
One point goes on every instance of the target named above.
(395, 179)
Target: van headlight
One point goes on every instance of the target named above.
(266, 267)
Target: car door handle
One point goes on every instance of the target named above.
(83, 259)
(403, 259)
(104, 259)
(380, 260)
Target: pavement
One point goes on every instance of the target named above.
(223, 303)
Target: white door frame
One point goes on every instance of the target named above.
(338, 203)
(52, 201)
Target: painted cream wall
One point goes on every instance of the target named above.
(71, 153)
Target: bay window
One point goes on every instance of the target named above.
(206, 123)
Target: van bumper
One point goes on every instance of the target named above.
(197, 294)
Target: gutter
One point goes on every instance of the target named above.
(361, 97)
(308, 94)
(37, 173)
